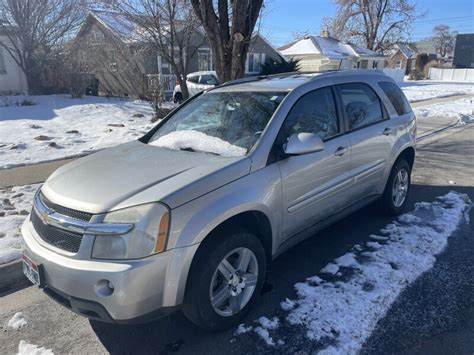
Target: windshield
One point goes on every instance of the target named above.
(223, 123)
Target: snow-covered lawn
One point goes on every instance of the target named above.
(427, 89)
(15, 205)
(58, 126)
(340, 307)
(462, 109)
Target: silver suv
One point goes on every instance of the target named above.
(189, 216)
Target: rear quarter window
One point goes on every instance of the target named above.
(396, 97)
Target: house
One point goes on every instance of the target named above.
(12, 78)
(110, 49)
(464, 51)
(403, 57)
(323, 53)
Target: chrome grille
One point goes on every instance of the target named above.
(83, 216)
(59, 238)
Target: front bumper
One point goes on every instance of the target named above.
(143, 289)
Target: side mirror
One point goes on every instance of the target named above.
(303, 143)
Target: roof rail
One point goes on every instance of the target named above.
(250, 79)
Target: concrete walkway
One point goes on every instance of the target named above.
(35, 173)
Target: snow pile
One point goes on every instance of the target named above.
(462, 109)
(262, 330)
(198, 141)
(25, 348)
(15, 205)
(16, 322)
(58, 126)
(427, 89)
(340, 311)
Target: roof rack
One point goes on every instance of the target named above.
(255, 78)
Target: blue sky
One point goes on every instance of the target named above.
(283, 17)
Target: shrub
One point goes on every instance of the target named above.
(279, 66)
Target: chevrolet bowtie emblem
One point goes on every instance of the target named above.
(45, 217)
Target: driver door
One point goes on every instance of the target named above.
(315, 184)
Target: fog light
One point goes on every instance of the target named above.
(104, 288)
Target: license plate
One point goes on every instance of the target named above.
(32, 271)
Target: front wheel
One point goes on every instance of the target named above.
(395, 196)
(225, 280)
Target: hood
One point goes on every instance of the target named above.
(136, 173)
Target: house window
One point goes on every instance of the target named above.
(98, 37)
(83, 65)
(204, 60)
(255, 60)
(398, 64)
(112, 60)
(3, 67)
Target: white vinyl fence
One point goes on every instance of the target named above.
(395, 74)
(444, 74)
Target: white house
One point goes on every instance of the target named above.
(323, 53)
(12, 78)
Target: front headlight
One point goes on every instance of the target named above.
(149, 235)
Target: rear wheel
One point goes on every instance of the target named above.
(395, 196)
(225, 280)
(178, 97)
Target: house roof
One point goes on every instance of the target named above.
(121, 24)
(326, 47)
(408, 50)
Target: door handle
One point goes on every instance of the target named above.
(340, 151)
(387, 131)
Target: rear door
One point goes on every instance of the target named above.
(314, 185)
(371, 137)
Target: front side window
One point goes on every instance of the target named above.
(361, 104)
(396, 97)
(224, 123)
(208, 79)
(315, 113)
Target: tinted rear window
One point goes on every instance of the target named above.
(396, 97)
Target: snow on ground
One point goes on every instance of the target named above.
(462, 109)
(200, 142)
(427, 89)
(25, 348)
(339, 312)
(15, 205)
(58, 126)
(16, 322)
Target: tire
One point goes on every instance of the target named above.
(206, 280)
(388, 202)
(178, 97)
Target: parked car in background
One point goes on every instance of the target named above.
(190, 215)
(196, 82)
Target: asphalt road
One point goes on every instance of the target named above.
(434, 315)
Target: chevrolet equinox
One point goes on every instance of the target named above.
(190, 215)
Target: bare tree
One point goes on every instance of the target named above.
(168, 26)
(229, 25)
(443, 40)
(375, 24)
(34, 27)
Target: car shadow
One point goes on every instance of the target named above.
(176, 334)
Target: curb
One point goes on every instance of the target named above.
(11, 274)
